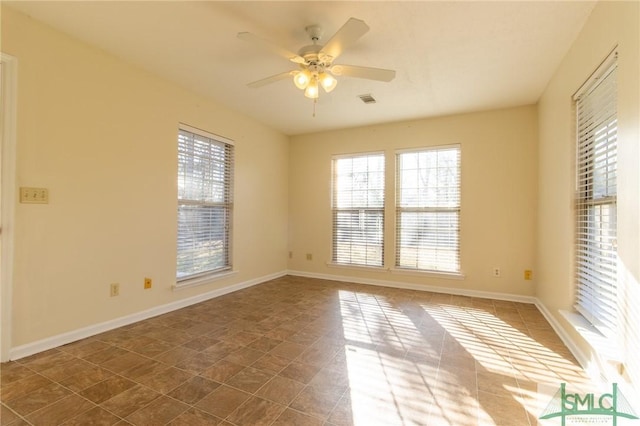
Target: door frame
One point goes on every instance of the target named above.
(8, 115)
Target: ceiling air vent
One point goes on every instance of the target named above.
(367, 99)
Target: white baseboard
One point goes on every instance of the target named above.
(420, 287)
(580, 356)
(82, 333)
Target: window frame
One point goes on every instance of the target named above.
(418, 210)
(596, 284)
(362, 213)
(185, 203)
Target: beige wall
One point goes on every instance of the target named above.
(611, 23)
(101, 136)
(498, 205)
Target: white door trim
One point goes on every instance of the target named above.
(8, 145)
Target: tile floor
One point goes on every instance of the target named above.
(299, 351)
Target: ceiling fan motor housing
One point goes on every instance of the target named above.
(315, 62)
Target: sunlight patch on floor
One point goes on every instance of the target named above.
(442, 364)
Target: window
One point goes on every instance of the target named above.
(205, 187)
(358, 209)
(596, 235)
(428, 209)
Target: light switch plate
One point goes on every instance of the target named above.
(34, 195)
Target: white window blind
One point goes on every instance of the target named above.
(358, 209)
(205, 188)
(596, 233)
(428, 209)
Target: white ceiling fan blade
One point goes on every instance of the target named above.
(270, 80)
(363, 72)
(350, 32)
(274, 48)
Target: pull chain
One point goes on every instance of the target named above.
(315, 101)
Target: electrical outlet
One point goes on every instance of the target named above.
(309, 256)
(115, 289)
(147, 283)
(496, 272)
(528, 274)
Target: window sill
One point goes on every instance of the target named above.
(205, 279)
(359, 267)
(430, 274)
(606, 347)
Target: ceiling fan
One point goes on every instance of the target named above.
(315, 62)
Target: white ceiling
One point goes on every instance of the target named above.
(450, 57)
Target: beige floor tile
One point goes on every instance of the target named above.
(148, 368)
(107, 389)
(222, 401)
(288, 350)
(315, 402)
(67, 369)
(95, 417)
(264, 344)
(7, 416)
(342, 413)
(501, 410)
(130, 401)
(244, 356)
(201, 343)
(23, 387)
(497, 384)
(271, 363)
(84, 347)
(249, 379)
(222, 371)
(124, 362)
(38, 398)
(194, 390)
(300, 372)
(195, 417)
(86, 378)
(196, 364)
(221, 350)
(317, 356)
(41, 363)
(105, 355)
(161, 411)
(175, 337)
(60, 411)
(280, 389)
(256, 412)
(13, 371)
(244, 338)
(328, 376)
(154, 349)
(291, 417)
(167, 380)
(304, 337)
(176, 355)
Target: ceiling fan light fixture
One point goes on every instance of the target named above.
(327, 82)
(302, 79)
(311, 91)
